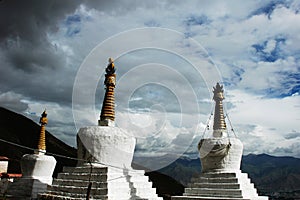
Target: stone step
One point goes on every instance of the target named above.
(63, 195)
(82, 176)
(113, 190)
(218, 175)
(78, 190)
(85, 169)
(213, 192)
(144, 192)
(215, 185)
(102, 191)
(102, 177)
(59, 197)
(103, 170)
(214, 180)
(135, 197)
(96, 184)
(205, 198)
(74, 195)
(79, 183)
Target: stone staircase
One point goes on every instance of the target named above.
(220, 185)
(107, 183)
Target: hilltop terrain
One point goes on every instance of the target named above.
(277, 177)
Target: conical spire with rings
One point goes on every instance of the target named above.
(219, 126)
(107, 116)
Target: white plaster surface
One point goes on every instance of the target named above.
(3, 166)
(37, 170)
(220, 154)
(38, 166)
(106, 122)
(219, 133)
(106, 145)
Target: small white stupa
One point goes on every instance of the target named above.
(220, 155)
(105, 153)
(37, 170)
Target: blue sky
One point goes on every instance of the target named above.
(165, 83)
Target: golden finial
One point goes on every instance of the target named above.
(219, 120)
(107, 115)
(42, 140)
(218, 92)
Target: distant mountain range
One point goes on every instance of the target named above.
(277, 177)
(274, 176)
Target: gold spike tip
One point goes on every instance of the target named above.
(110, 69)
(43, 119)
(218, 92)
(44, 114)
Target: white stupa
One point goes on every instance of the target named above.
(221, 177)
(105, 153)
(37, 170)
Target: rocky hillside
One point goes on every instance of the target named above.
(18, 129)
(274, 176)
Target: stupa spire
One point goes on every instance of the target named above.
(42, 140)
(219, 119)
(107, 116)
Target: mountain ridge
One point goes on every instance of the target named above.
(18, 129)
(14, 126)
(276, 177)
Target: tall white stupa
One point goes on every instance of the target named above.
(105, 153)
(220, 155)
(37, 170)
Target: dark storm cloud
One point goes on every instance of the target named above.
(30, 20)
(24, 29)
(29, 62)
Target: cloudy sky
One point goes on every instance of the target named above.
(168, 56)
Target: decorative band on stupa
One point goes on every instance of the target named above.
(42, 140)
(107, 116)
(219, 120)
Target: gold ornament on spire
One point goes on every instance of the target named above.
(42, 140)
(107, 116)
(219, 119)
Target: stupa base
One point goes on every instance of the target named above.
(220, 185)
(106, 183)
(37, 170)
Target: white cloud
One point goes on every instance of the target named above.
(228, 30)
(263, 124)
(60, 119)
(13, 101)
(229, 37)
